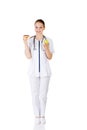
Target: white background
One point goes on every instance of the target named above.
(66, 24)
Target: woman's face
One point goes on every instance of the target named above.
(39, 28)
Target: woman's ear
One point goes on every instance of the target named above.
(44, 28)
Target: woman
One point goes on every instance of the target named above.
(39, 49)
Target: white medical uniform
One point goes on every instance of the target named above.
(39, 73)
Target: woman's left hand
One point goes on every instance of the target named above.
(46, 46)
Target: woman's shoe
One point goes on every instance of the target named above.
(37, 121)
(43, 121)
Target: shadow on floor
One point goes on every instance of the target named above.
(39, 127)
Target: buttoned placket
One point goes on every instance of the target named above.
(39, 56)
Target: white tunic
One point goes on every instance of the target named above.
(39, 64)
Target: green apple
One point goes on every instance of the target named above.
(46, 41)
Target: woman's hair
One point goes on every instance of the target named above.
(40, 21)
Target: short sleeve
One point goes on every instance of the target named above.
(29, 43)
(51, 47)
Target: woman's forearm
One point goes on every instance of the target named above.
(27, 52)
(48, 54)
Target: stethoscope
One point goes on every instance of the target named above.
(34, 48)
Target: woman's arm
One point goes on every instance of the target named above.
(27, 49)
(27, 52)
(47, 50)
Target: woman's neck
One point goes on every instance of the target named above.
(39, 37)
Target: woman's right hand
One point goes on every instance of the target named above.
(27, 50)
(25, 38)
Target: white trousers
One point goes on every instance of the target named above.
(39, 89)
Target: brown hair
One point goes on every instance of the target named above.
(40, 21)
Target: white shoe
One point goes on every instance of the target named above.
(43, 121)
(37, 121)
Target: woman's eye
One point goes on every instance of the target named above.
(38, 27)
